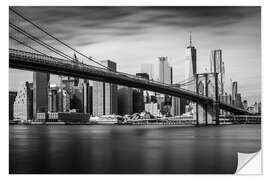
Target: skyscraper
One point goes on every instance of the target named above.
(149, 69)
(125, 100)
(178, 104)
(23, 105)
(87, 97)
(12, 97)
(165, 71)
(216, 61)
(238, 101)
(217, 66)
(140, 96)
(190, 60)
(105, 94)
(41, 84)
(234, 91)
(52, 101)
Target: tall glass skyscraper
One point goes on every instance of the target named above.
(165, 71)
(41, 85)
(190, 60)
(217, 66)
(149, 69)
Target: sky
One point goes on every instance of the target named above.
(131, 36)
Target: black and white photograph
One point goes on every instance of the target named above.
(134, 89)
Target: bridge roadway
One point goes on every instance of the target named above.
(36, 62)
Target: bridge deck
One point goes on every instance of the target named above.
(36, 62)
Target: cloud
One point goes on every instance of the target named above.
(134, 35)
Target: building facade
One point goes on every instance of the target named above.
(12, 97)
(87, 97)
(41, 85)
(178, 104)
(190, 60)
(234, 91)
(217, 66)
(23, 104)
(165, 71)
(149, 69)
(105, 94)
(125, 100)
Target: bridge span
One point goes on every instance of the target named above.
(36, 62)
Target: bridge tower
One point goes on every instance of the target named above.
(207, 85)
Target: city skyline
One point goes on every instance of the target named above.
(153, 32)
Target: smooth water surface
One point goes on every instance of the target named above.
(129, 149)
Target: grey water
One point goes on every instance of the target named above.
(112, 149)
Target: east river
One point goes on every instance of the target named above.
(129, 149)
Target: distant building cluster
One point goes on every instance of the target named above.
(77, 99)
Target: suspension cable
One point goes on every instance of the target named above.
(18, 29)
(26, 19)
(27, 45)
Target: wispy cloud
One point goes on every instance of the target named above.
(134, 35)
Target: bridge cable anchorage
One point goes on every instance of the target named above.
(18, 29)
(27, 45)
(26, 19)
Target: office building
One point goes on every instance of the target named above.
(76, 100)
(41, 84)
(149, 69)
(125, 100)
(165, 71)
(52, 100)
(216, 61)
(87, 97)
(255, 108)
(152, 108)
(190, 60)
(143, 75)
(138, 100)
(178, 104)
(234, 91)
(12, 97)
(238, 101)
(217, 66)
(23, 104)
(140, 96)
(105, 94)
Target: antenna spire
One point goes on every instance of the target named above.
(190, 42)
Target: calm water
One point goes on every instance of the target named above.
(129, 149)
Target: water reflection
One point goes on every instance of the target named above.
(130, 149)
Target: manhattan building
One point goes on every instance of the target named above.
(12, 97)
(23, 104)
(234, 91)
(149, 69)
(165, 71)
(125, 100)
(217, 66)
(190, 60)
(41, 85)
(105, 95)
(178, 104)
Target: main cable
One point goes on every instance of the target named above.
(26, 19)
(11, 37)
(18, 29)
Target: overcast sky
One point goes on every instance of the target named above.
(131, 36)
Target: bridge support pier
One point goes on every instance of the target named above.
(201, 114)
(207, 114)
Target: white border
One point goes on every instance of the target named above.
(4, 76)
